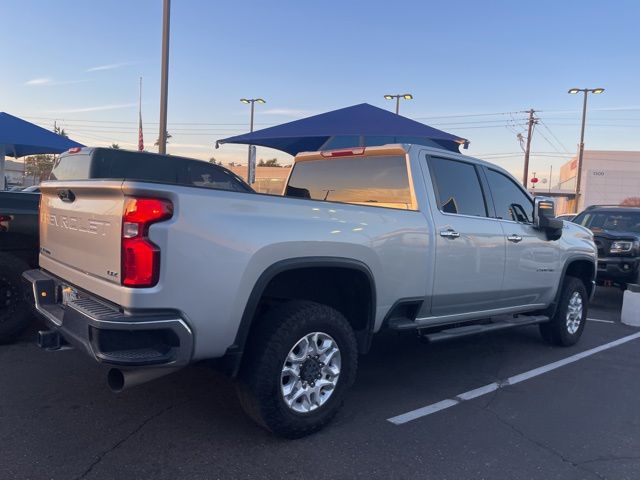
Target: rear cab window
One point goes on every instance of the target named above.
(378, 181)
(103, 163)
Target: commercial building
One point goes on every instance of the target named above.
(609, 177)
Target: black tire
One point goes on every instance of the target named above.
(259, 383)
(557, 330)
(15, 312)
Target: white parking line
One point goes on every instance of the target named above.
(601, 321)
(491, 387)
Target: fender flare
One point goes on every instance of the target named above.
(233, 357)
(551, 310)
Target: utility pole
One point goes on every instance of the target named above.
(586, 91)
(532, 121)
(164, 78)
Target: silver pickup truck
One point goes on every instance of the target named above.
(287, 290)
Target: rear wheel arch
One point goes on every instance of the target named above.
(344, 284)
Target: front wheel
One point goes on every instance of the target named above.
(302, 358)
(566, 326)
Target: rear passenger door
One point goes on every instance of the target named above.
(533, 262)
(470, 246)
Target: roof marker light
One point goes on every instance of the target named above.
(343, 153)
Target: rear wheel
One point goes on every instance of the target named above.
(566, 326)
(301, 360)
(15, 314)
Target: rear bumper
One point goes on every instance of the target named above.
(617, 269)
(105, 332)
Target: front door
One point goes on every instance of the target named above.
(533, 262)
(470, 246)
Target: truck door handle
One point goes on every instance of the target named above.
(514, 238)
(449, 233)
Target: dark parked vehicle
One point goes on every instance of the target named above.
(616, 232)
(18, 252)
(19, 211)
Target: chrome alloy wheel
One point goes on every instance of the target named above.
(310, 372)
(574, 313)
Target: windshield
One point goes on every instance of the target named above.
(611, 221)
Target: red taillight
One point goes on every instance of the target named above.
(140, 257)
(4, 222)
(75, 149)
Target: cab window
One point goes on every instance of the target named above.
(375, 181)
(509, 199)
(457, 187)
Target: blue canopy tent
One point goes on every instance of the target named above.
(359, 125)
(19, 138)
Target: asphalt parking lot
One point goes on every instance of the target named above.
(58, 420)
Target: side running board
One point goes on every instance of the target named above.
(497, 323)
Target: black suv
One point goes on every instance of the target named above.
(616, 232)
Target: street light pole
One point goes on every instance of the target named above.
(405, 96)
(586, 92)
(250, 166)
(164, 79)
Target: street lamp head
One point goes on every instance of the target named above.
(573, 91)
(407, 96)
(388, 97)
(244, 100)
(598, 90)
(260, 100)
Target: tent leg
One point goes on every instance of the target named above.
(2, 153)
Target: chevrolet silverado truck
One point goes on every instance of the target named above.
(18, 252)
(19, 216)
(616, 232)
(287, 290)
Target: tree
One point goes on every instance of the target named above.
(115, 146)
(157, 142)
(60, 131)
(38, 166)
(269, 163)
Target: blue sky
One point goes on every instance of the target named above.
(78, 62)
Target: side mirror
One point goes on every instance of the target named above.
(544, 213)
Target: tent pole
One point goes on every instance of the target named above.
(2, 154)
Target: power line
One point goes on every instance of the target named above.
(554, 136)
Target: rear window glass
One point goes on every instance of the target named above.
(377, 181)
(146, 167)
(71, 167)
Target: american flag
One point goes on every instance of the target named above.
(140, 136)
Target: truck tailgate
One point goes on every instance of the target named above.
(81, 226)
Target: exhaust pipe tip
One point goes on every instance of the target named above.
(115, 380)
(120, 380)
